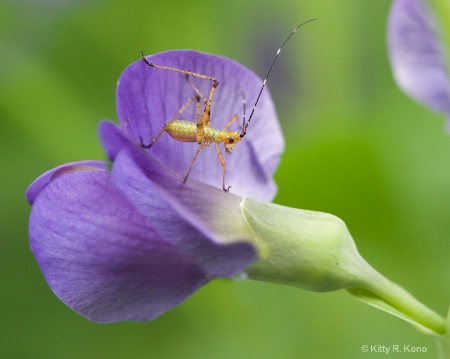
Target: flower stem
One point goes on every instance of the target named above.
(443, 342)
(378, 291)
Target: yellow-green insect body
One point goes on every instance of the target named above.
(185, 131)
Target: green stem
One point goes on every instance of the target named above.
(406, 304)
(443, 342)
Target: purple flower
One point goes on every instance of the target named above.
(132, 242)
(418, 55)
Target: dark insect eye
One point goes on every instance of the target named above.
(231, 139)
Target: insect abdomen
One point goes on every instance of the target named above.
(183, 131)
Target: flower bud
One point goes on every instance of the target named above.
(306, 249)
(315, 251)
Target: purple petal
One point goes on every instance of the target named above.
(39, 183)
(148, 97)
(101, 257)
(145, 182)
(113, 139)
(417, 54)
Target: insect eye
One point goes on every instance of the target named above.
(231, 139)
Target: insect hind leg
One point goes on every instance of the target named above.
(195, 88)
(152, 142)
(206, 118)
(176, 116)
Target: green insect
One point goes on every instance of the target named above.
(201, 131)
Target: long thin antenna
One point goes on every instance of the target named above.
(244, 128)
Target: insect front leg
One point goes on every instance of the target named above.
(235, 117)
(224, 166)
(232, 119)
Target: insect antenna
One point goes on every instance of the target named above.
(244, 127)
(244, 105)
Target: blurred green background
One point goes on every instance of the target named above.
(355, 146)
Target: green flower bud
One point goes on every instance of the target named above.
(306, 249)
(315, 251)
